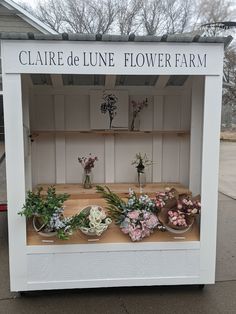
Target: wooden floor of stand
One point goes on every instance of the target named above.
(80, 198)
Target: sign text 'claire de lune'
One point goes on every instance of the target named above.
(86, 59)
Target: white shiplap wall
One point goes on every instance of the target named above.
(54, 157)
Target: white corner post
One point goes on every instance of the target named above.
(15, 169)
(197, 101)
(210, 170)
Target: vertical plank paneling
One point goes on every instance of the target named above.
(82, 145)
(43, 112)
(126, 147)
(158, 112)
(184, 141)
(184, 160)
(71, 113)
(109, 159)
(170, 158)
(157, 139)
(171, 143)
(172, 112)
(77, 114)
(60, 144)
(185, 118)
(46, 162)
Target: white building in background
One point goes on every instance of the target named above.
(14, 19)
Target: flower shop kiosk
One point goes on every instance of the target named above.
(53, 89)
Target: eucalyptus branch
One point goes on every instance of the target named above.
(115, 206)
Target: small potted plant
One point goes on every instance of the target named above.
(88, 164)
(93, 220)
(141, 162)
(47, 213)
(136, 217)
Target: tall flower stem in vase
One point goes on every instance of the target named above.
(137, 107)
(140, 163)
(141, 175)
(133, 121)
(87, 181)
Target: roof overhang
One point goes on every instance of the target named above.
(113, 54)
(25, 15)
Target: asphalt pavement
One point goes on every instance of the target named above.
(213, 299)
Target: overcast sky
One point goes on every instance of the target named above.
(31, 2)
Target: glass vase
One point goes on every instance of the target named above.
(135, 123)
(141, 179)
(87, 179)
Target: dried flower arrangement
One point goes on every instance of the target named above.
(137, 107)
(109, 105)
(87, 163)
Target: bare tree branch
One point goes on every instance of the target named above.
(178, 15)
(51, 13)
(152, 17)
(128, 17)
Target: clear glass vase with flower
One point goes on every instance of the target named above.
(88, 164)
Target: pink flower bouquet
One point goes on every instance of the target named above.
(136, 217)
(181, 217)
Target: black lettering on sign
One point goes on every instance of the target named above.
(151, 59)
(98, 59)
(23, 57)
(191, 60)
(60, 58)
(73, 60)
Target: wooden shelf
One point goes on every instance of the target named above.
(36, 133)
(81, 198)
(77, 191)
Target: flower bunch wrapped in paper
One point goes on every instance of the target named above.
(166, 199)
(186, 209)
(94, 220)
(136, 217)
(181, 216)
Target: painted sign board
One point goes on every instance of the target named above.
(77, 57)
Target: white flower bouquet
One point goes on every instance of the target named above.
(94, 220)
